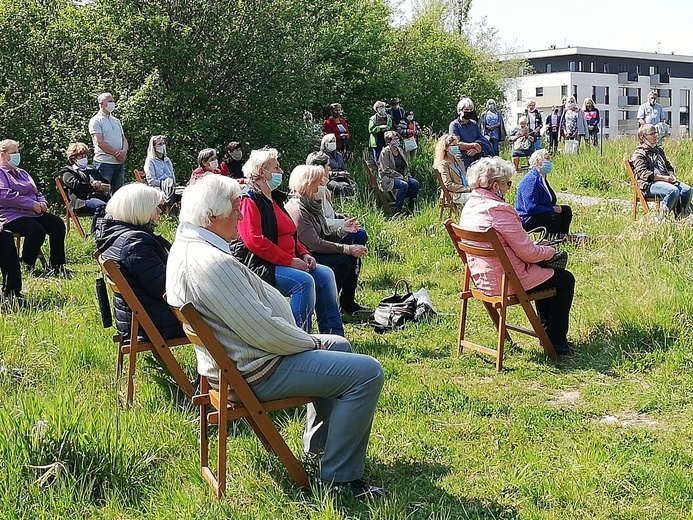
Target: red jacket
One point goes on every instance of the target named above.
(330, 126)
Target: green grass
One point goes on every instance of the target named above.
(451, 438)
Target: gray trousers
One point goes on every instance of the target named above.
(338, 424)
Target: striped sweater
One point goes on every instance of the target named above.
(250, 318)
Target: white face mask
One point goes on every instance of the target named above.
(110, 106)
(213, 164)
(82, 163)
(161, 149)
(331, 147)
(320, 193)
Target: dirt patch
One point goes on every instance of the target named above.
(629, 420)
(565, 398)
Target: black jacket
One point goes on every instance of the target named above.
(141, 256)
(79, 188)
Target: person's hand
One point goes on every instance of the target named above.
(383, 127)
(310, 261)
(590, 127)
(350, 226)
(299, 264)
(472, 151)
(357, 250)
(121, 155)
(38, 209)
(343, 136)
(105, 187)
(672, 179)
(557, 209)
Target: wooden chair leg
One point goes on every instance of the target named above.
(223, 441)
(463, 325)
(539, 330)
(119, 362)
(130, 390)
(493, 313)
(502, 333)
(167, 359)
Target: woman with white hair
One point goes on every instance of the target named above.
(486, 208)
(536, 201)
(270, 247)
(573, 124)
(207, 163)
(340, 182)
(523, 142)
(254, 324)
(159, 170)
(492, 126)
(378, 124)
(305, 209)
(126, 235)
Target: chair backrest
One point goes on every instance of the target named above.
(372, 180)
(140, 176)
(477, 243)
(61, 189)
(200, 334)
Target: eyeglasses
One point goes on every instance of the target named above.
(651, 133)
(508, 183)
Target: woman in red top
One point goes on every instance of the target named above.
(337, 125)
(275, 254)
(207, 163)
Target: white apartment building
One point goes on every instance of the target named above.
(617, 81)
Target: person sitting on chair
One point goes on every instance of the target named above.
(523, 142)
(159, 171)
(536, 201)
(255, 325)
(486, 208)
(10, 269)
(452, 170)
(655, 174)
(394, 172)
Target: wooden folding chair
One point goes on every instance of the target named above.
(140, 176)
(477, 243)
(248, 407)
(69, 213)
(18, 244)
(160, 347)
(638, 196)
(446, 199)
(374, 188)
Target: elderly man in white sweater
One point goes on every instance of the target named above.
(254, 323)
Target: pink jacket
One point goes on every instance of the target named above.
(484, 210)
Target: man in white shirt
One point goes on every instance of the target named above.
(110, 144)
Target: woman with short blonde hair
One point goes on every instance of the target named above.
(452, 170)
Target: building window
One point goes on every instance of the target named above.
(668, 70)
(605, 118)
(521, 72)
(519, 94)
(600, 95)
(572, 66)
(622, 67)
(606, 68)
(637, 69)
(580, 66)
(685, 98)
(654, 70)
(591, 66)
(564, 90)
(575, 92)
(547, 68)
(539, 92)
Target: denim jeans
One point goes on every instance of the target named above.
(409, 190)
(113, 174)
(338, 423)
(494, 145)
(316, 290)
(360, 237)
(671, 195)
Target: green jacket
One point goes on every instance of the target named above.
(374, 130)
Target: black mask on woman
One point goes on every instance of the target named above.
(469, 115)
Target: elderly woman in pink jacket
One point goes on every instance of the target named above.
(486, 208)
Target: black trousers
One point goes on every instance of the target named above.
(554, 312)
(554, 223)
(346, 270)
(34, 231)
(9, 265)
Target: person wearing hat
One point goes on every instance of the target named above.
(396, 112)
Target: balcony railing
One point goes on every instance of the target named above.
(659, 79)
(627, 77)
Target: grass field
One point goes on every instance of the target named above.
(605, 434)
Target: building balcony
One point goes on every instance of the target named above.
(628, 101)
(659, 79)
(664, 101)
(627, 77)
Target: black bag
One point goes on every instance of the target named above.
(558, 261)
(394, 311)
(104, 303)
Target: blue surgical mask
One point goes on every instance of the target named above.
(454, 150)
(492, 106)
(382, 111)
(395, 144)
(546, 167)
(14, 159)
(275, 181)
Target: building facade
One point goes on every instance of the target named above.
(617, 81)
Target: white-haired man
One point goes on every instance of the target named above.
(254, 323)
(473, 145)
(110, 144)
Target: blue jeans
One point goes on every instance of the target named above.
(360, 238)
(316, 290)
(113, 174)
(409, 190)
(338, 423)
(494, 145)
(671, 195)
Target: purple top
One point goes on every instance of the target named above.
(17, 195)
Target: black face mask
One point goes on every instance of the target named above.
(469, 115)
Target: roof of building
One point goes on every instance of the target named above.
(593, 51)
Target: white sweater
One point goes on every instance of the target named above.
(251, 319)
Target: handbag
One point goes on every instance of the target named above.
(410, 144)
(558, 261)
(103, 302)
(571, 147)
(394, 311)
(522, 144)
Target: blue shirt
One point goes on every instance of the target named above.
(652, 114)
(157, 170)
(534, 196)
(469, 133)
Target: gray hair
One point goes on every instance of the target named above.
(538, 157)
(378, 104)
(317, 159)
(151, 149)
(644, 129)
(102, 97)
(205, 156)
(303, 177)
(327, 138)
(531, 102)
(522, 119)
(211, 196)
(487, 170)
(134, 203)
(256, 160)
(465, 102)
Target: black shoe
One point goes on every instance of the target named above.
(564, 350)
(353, 309)
(59, 271)
(359, 489)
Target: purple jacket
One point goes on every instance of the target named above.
(17, 195)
